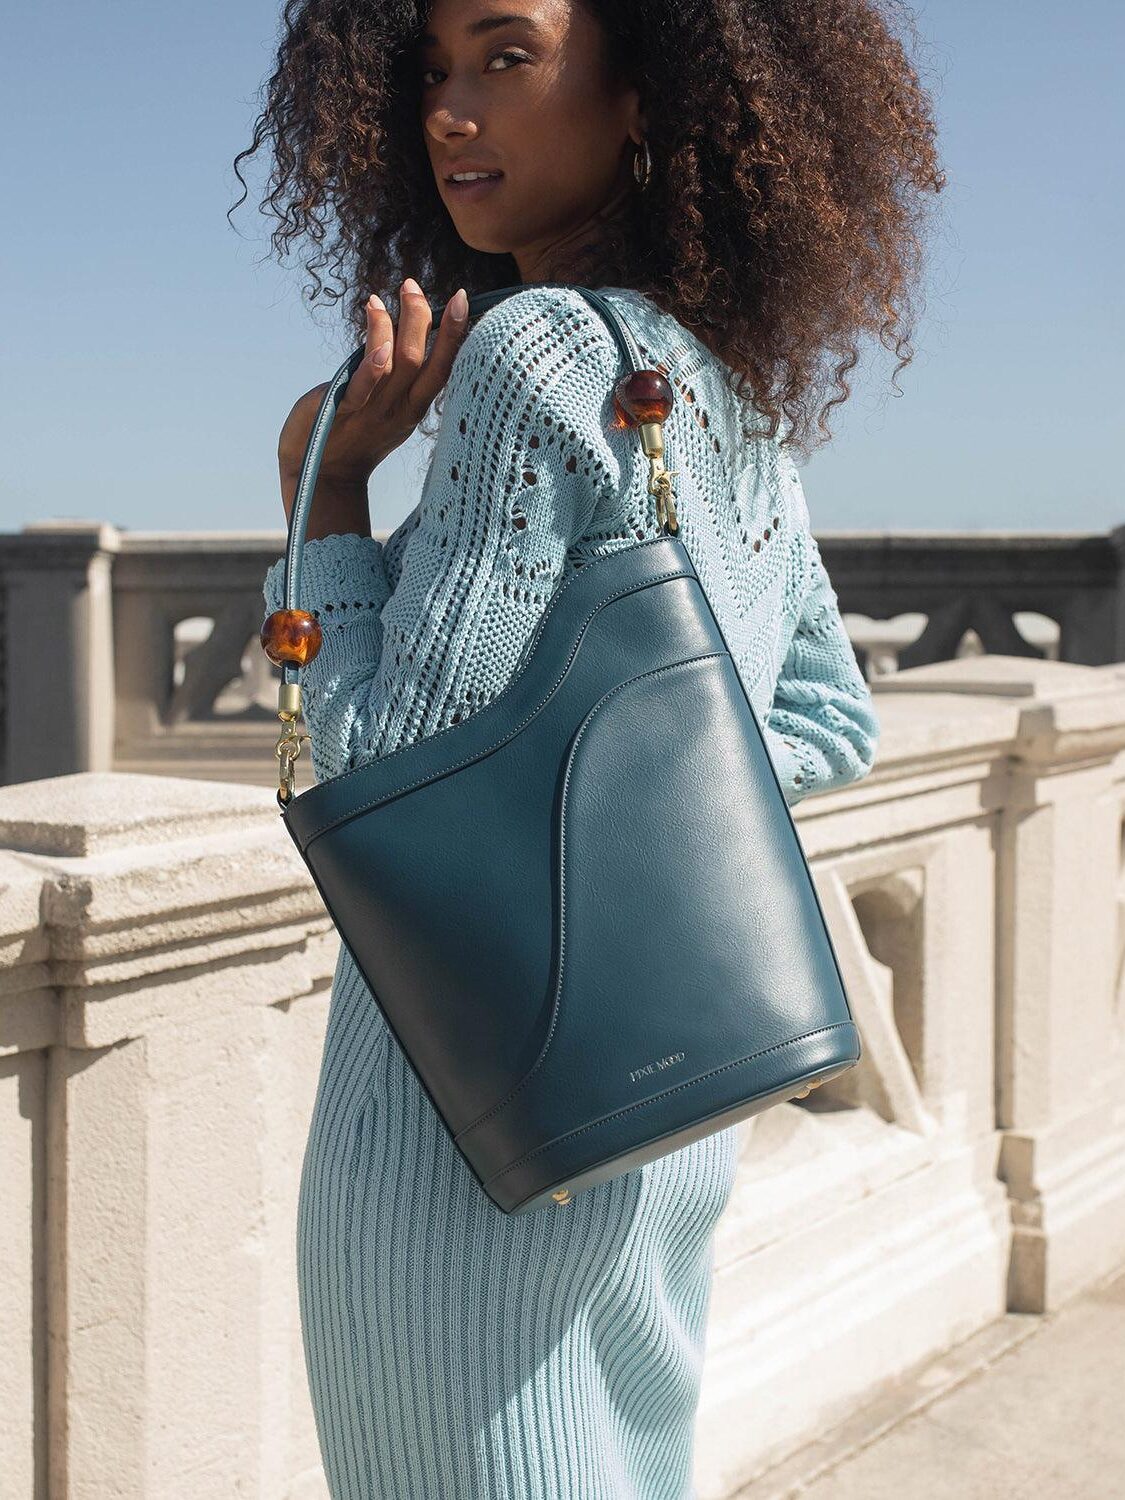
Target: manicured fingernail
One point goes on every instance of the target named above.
(459, 306)
(382, 354)
(410, 285)
(375, 301)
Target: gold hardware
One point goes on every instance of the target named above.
(660, 484)
(660, 478)
(652, 439)
(562, 1196)
(288, 745)
(808, 1088)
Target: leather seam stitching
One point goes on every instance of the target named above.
(644, 1103)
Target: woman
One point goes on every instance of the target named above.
(742, 179)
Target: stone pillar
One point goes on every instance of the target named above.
(1061, 1062)
(165, 964)
(59, 688)
(1060, 1027)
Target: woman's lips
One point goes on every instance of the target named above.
(478, 188)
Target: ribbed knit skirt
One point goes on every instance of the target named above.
(455, 1352)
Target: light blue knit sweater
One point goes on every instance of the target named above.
(454, 1352)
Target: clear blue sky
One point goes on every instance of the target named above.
(150, 354)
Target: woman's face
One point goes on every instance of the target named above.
(519, 87)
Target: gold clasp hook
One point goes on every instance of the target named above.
(659, 478)
(660, 484)
(288, 745)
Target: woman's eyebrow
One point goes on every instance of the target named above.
(488, 23)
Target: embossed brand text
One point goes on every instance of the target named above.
(656, 1067)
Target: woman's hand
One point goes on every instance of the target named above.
(385, 399)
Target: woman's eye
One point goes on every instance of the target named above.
(514, 56)
(518, 56)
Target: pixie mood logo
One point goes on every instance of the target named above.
(656, 1067)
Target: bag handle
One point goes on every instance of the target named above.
(291, 637)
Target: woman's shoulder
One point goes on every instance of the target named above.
(551, 323)
(544, 324)
(660, 334)
(543, 361)
(540, 355)
(545, 319)
(720, 419)
(700, 376)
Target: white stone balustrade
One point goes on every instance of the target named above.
(149, 639)
(164, 981)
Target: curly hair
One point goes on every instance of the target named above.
(792, 146)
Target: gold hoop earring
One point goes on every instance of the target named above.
(642, 165)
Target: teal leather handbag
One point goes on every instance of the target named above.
(584, 911)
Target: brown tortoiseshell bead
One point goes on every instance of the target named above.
(643, 397)
(291, 635)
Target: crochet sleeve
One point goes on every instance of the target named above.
(526, 451)
(822, 730)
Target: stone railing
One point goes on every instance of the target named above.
(166, 967)
(149, 641)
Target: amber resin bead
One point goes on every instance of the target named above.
(290, 636)
(643, 397)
